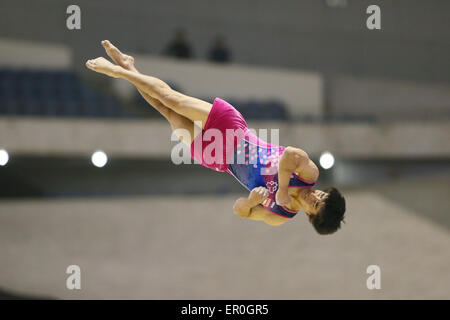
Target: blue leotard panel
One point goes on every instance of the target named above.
(255, 165)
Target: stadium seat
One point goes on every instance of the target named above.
(51, 93)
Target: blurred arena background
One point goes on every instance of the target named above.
(143, 228)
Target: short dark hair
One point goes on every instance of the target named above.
(328, 219)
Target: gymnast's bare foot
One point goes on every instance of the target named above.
(123, 60)
(102, 65)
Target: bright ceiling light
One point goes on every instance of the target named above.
(4, 157)
(326, 160)
(99, 159)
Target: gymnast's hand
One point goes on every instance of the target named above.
(282, 198)
(258, 195)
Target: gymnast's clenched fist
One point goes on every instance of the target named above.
(258, 194)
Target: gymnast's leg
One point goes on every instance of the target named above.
(127, 62)
(192, 108)
(176, 120)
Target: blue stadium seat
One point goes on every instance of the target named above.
(50, 108)
(10, 106)
(51, 93)
(260, 109)
(30, 107)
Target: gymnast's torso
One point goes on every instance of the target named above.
(252, 161)
(255, 164)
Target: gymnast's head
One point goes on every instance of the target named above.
(325, 210)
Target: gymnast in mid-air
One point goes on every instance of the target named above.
(280, 179)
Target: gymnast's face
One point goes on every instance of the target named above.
(313, 202)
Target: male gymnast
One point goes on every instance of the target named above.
(280, 179)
